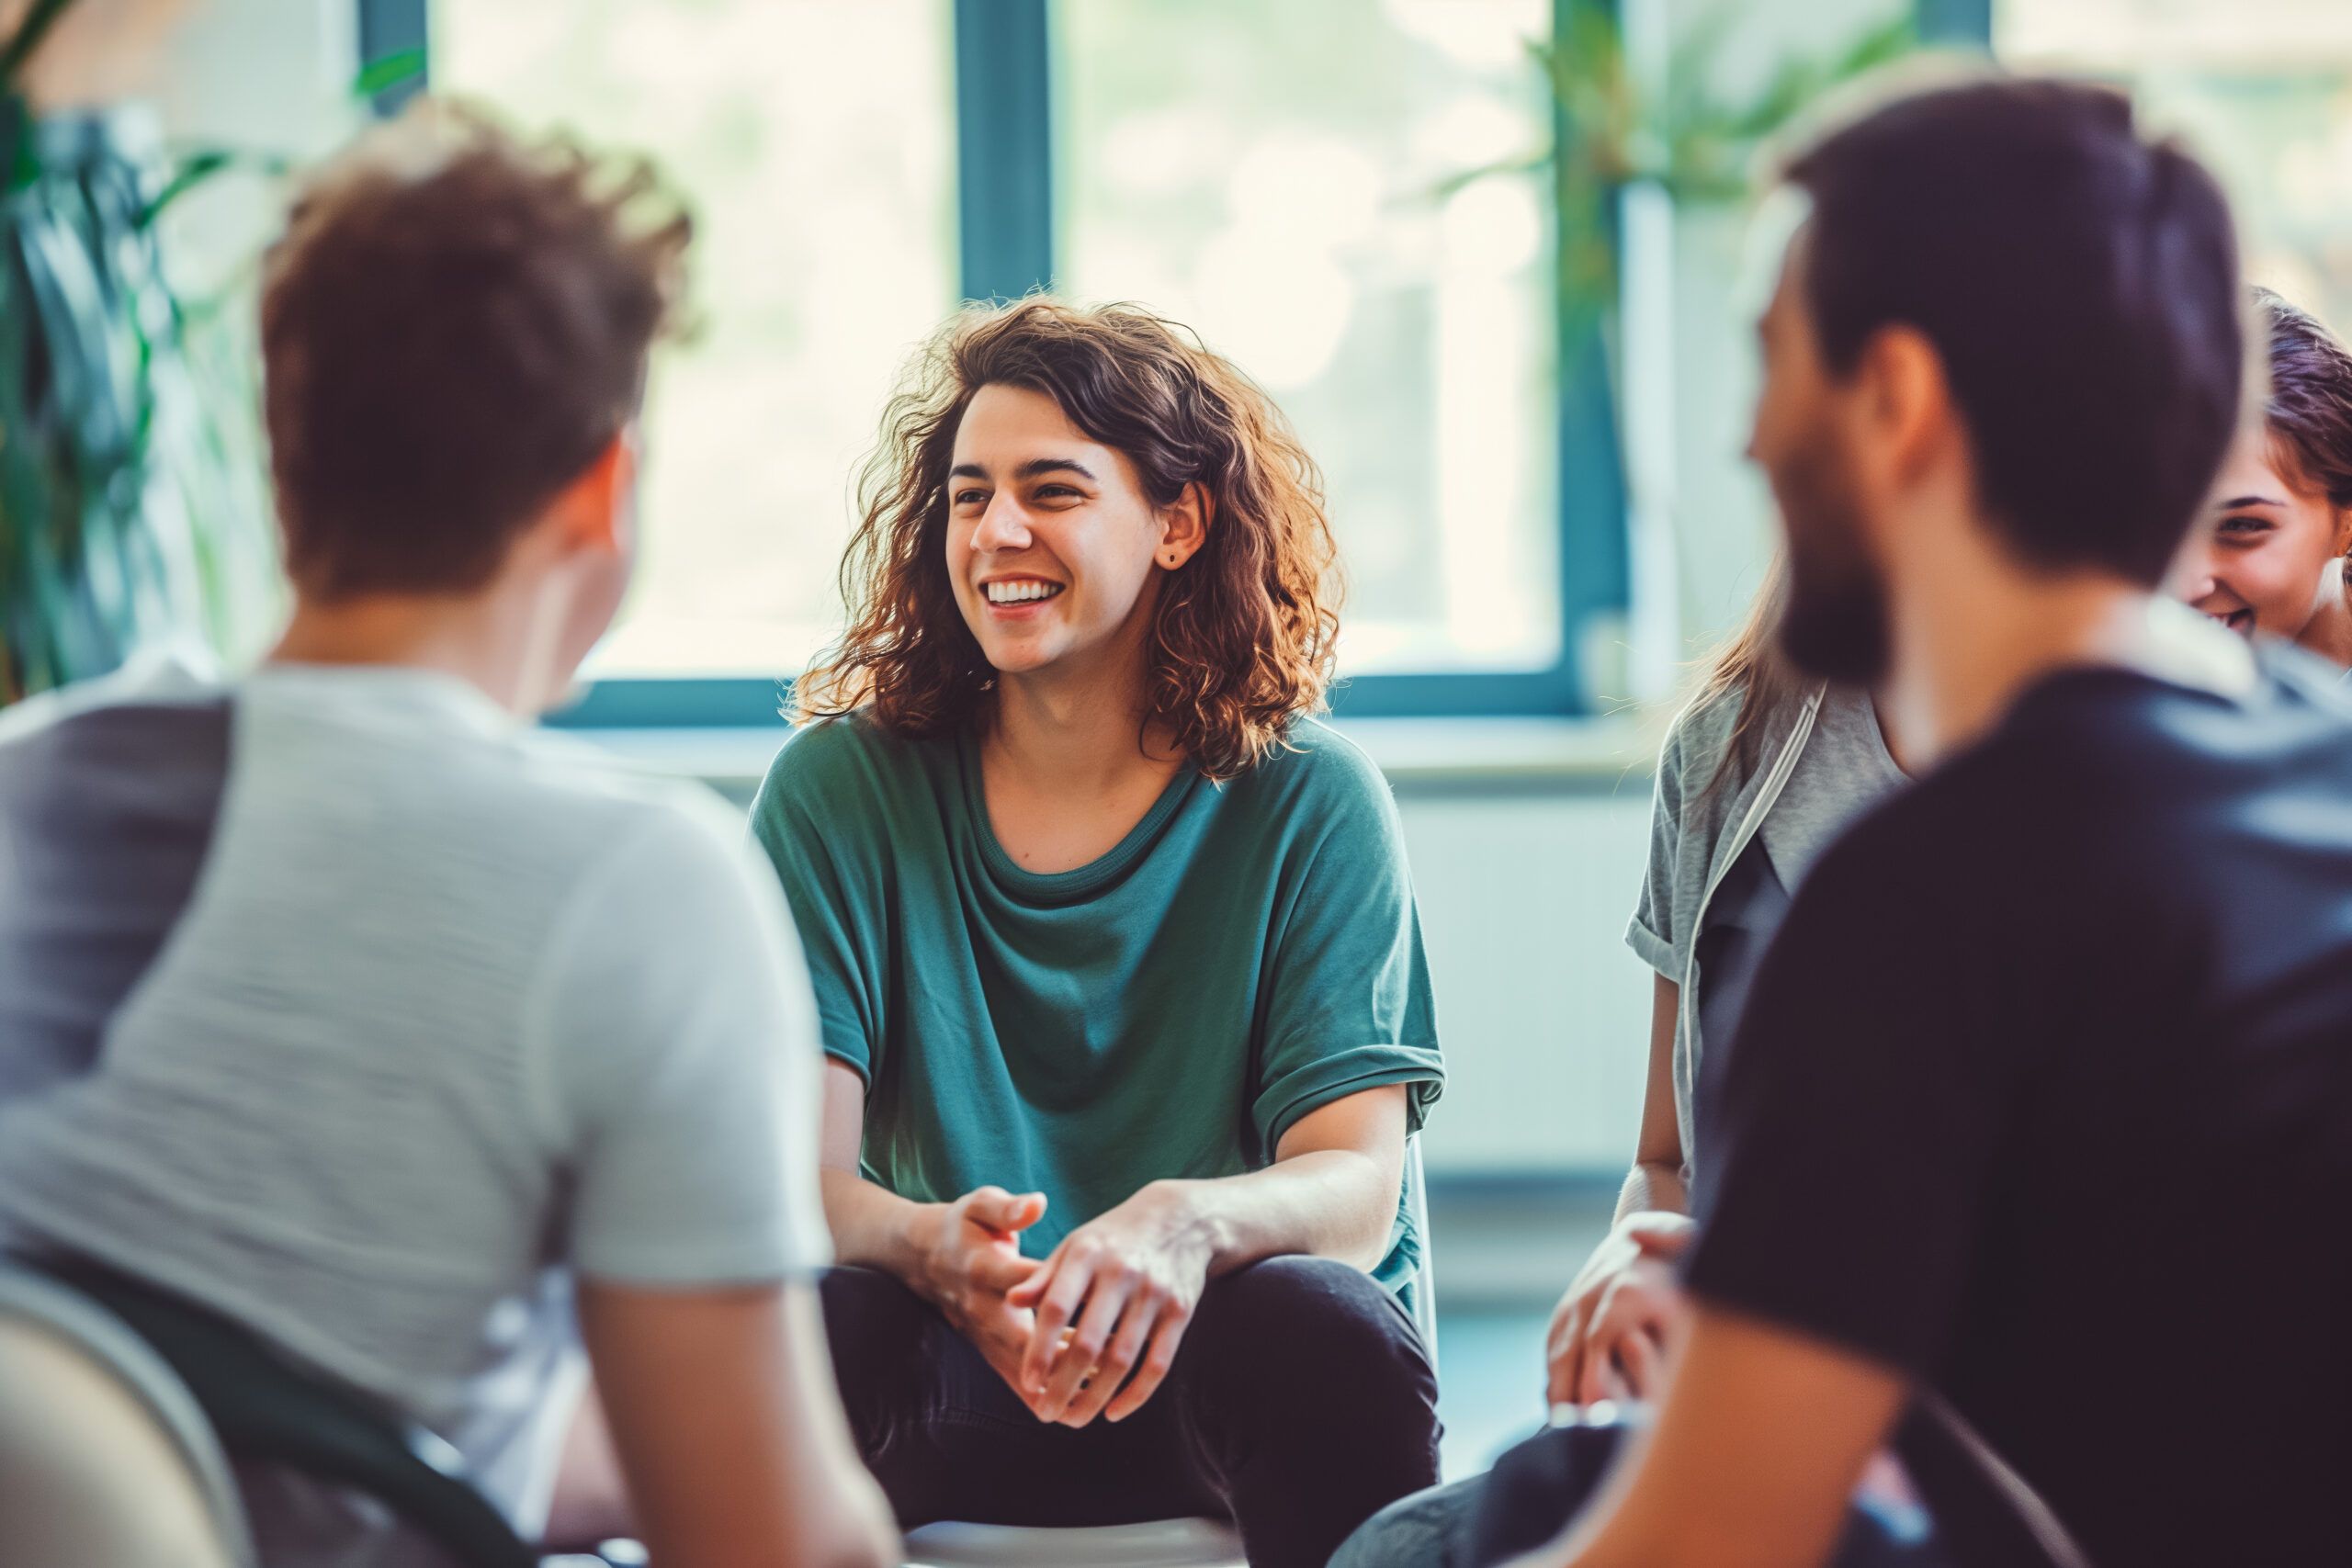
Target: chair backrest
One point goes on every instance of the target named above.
(1417, 1203)
(104, 1457)
(1166, 1543)
(263, 1409)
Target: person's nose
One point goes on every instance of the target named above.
(1001, 526)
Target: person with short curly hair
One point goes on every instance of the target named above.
(337, 1002)
(1117, 957)
(2273, 560)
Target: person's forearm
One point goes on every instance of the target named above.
(1333, 1204)
(876, 1228)
(1653, 1185)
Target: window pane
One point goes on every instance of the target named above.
(1275, 176)
(2261, 88)
(815, 139)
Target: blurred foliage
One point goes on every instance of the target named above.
(132, 505)
(131, 510)
(1682, 133)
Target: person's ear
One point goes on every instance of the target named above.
(1184, 526)
(1907, 402)
(592, 513)
(2343, 531)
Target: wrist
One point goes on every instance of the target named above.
(918, 1243)
(1192, 1225)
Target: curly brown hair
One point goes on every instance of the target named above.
(1243, 633)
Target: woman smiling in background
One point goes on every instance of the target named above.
(2274, 560)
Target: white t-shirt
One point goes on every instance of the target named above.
(449, 1012)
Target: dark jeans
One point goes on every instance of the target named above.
(1301, 1401)
(1537, 1487)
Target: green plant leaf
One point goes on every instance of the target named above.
(199, 169)
(1680, 133)
(126, 512)
(390, 70)
(1525, 164)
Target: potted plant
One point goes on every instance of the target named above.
(1643, 131)
(1629, 117)
(131, 511)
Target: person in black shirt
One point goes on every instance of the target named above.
(2032, 1149)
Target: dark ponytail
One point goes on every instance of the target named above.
(2308, 410)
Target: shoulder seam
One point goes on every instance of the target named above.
(1349, 744)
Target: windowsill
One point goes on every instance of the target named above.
(1448, 754)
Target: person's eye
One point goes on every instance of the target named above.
(969, 498)
(1059, 492)
(2243, 529)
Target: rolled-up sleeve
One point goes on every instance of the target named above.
(1350, 1002)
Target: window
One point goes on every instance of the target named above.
(823, 200)
(1277, 176)
(2261, 88)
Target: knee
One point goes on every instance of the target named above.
(1300, 1295)
(1312, 1318)
(1536, 1488)
(1423, 1530)
(1306, 1372)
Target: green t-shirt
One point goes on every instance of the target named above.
(1248, 953)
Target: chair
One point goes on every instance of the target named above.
(215, 1390)
(104, 1457)
(1163, 1543)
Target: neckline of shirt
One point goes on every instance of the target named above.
(1881, 754)
(1079, 882)
(390, 687)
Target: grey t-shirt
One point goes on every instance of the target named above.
(342, 1005)
(1843, 770)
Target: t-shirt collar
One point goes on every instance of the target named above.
(433, 695)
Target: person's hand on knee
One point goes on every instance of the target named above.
(971, 1260)
(1113, 1299)
(1610, 1332)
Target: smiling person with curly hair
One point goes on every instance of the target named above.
(1120, 973)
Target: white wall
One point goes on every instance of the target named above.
(1543, 1009)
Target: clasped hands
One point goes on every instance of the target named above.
(1089, 1330)
(1613, 1332)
